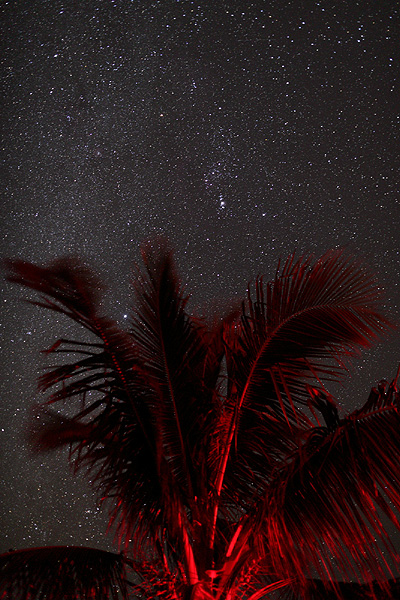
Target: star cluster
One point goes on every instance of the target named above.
(240, 130)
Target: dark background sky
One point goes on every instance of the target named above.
(242, 131)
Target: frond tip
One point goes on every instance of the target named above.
(62, 573)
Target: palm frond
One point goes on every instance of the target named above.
(329, 499)
(49, 430)
(298, 329)
(62, 573)
(65, 286)
(302, 323)
(176, 352)
(113, 421)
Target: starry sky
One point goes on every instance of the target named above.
(241, 130)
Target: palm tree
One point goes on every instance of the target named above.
(225, 465)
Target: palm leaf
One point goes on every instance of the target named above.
(302, 323)
(328, 500)
(183, 361)
(65, 286)
(299, 328)
(113, 421)
(62, 573)
(49, 430)
(173, 349)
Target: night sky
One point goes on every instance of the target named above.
(241, 131)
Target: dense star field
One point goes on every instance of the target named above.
(241, 131)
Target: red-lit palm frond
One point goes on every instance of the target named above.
(109, 359)
(62, 573)
(66, 286)
(329, 499)
(183, 362)
(302, 324)
(49, 430)
(299, 327)
(113, 422)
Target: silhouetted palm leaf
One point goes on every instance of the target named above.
(62, 573)
(300, 327)
(329, 498)
(109, 379)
